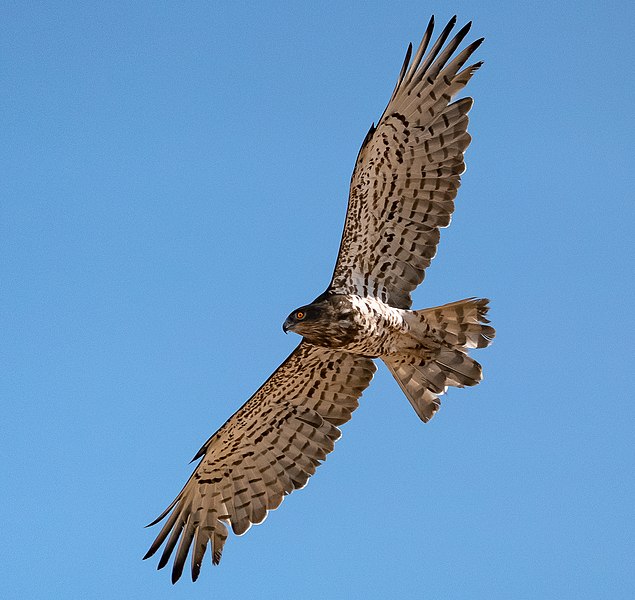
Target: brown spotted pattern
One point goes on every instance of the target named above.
(448, 332)
(402, 192)
(407, 175)
(267, 449)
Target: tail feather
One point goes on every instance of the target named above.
(417, 388)
(462, 323)
(459, 369)
(447, 333)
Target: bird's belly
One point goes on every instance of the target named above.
(382, 330)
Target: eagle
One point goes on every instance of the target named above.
(402, 192)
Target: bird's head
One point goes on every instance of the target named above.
(327, 322)
(303, 319)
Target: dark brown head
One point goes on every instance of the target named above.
(328, 322)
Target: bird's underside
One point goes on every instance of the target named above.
(402, 192)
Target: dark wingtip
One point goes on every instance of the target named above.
(159, 518)
(464, 30)
(406, 60)
(163, 561)
(200, 453)
(430, 24)
(367, 138)
(177, 571)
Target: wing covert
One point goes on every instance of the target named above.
(267, 449)
(407, 174)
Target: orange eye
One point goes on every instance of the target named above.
(299, 315)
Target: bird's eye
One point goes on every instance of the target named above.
(300, 315)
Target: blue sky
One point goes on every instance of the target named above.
(175, 181)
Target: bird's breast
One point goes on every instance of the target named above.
(372, 328)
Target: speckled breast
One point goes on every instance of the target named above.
(381, 327)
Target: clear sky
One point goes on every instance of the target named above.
(174, 182)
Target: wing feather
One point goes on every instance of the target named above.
(407, 174)
(268, 448)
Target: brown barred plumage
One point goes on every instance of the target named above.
(407, 176)
(267, 449)
(402, 192)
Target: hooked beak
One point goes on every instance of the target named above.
(286, 326)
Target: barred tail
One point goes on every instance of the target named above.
(461, 324)
(456, 327)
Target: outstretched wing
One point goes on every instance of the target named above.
(267, 449)
(407, 175)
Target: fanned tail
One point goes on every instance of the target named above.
(455, 328)
(462, 324)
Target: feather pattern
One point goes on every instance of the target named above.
(402, 193)
(451, 331)
(268, 448)
(407, 175)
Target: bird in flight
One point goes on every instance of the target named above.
(402, 192)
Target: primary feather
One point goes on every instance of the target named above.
(407, 176)
(402, 192)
